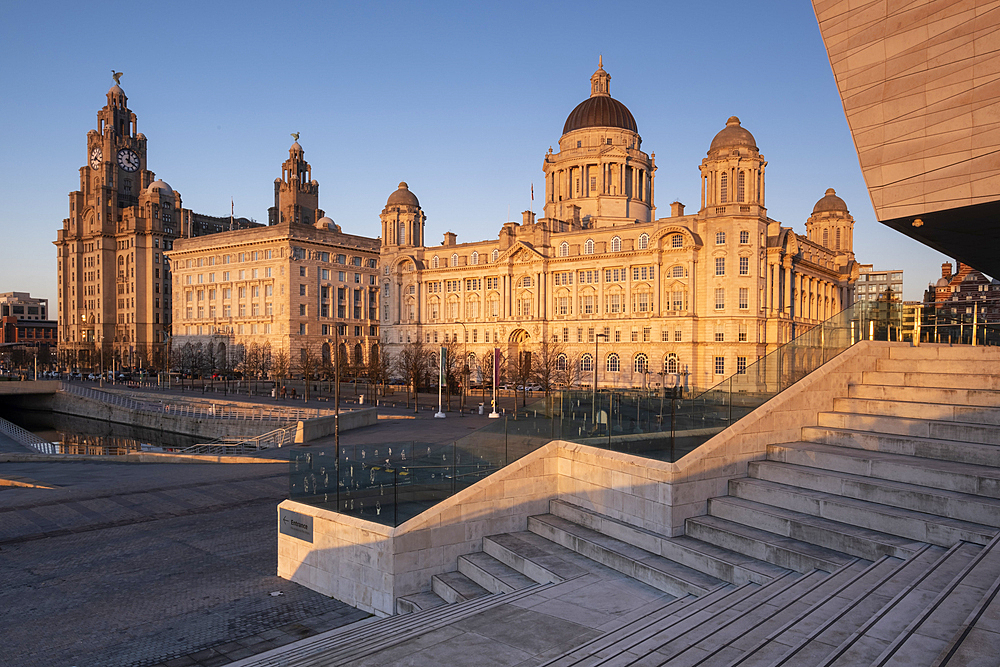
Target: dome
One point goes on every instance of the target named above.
(295, 147)
(733, 135)
(326, 223)
(941, 282)
(402, 196)
(600, 111)
(830, 202)
(115, 90)
(164, 188)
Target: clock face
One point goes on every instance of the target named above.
(96, 156)
(128, 159)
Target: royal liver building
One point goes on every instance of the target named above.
(602, 280)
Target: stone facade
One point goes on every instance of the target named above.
(289, 286)
(114, 283)
(600, 276)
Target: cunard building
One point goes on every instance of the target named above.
(700, 294)
(114, 282)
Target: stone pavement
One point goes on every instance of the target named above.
(161, 564)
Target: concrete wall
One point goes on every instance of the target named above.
(320, 427)
(368, 565)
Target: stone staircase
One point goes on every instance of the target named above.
(871, 541)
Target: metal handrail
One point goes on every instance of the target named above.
(27, 438)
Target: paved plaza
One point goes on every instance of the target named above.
(133, 564)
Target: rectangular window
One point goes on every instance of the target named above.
(302, 271)
(744, 298)
(302, 290)
(590, 335)
(642, 304)
(587, 277)
(720, 365)
(614, 303)
(743, 332)
(302, 329)
(720, 336)
(744, 237)
(665, 335)
(587, 304)
(563, 305)
(677, 335)
(741, 365)
(614, 275)
(646, 334)
(579, 334)
(677, 301)
(744, 266)
(720, 298)
(720, 266)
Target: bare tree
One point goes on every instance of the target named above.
(453, 367)
(280, 364)
(308, 364)
(412, 364)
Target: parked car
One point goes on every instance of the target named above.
(534, 387)
(93, 377)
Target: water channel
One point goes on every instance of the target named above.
(80, 435)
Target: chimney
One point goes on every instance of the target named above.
(946, 270)
(449, 238)
(528, 217)
(676, 209)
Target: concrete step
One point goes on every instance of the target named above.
(933, 632)
(736, 638)
(947, 475)
(946, 450)
(932, 352)
(920, 428)
(971, 364)
(919, 410)
(456, 587)
(537, 561)
(491, 574)
(637, 638)
(407, 604)
(869, 631)
(973, 380)
(762, 545)
(846, 538)
(915, 497)
(721, 563)
(981, 628)
(639, 564)
(920, 526)
(939, 395)
(371, 636)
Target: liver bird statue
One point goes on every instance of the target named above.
(295, 136)
(116, 76)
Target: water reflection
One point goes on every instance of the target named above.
(79, 435)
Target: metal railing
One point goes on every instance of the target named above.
(27, 438)
(196, 409)
(279, 437)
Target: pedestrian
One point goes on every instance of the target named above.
(284, 392)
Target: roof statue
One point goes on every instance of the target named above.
(116, 75)
(295, 136)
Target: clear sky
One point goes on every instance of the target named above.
(460, 99)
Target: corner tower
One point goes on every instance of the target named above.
(599, 177)
(831, 224)
(402, 220)
(732, 176)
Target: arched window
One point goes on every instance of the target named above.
(616, 244)
(643, 241)
(741, 186)
(614, 363)
(561, 362)
(586, 364)
(677, 271)
(670, 363)
(588, 248)
(564, 249)
(676, 241)
(434, 262)
(495, 256)
(454, 259)
(724, 188)
(475, 258)
(641, 363)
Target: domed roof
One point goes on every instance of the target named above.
(600, 111)
(733, 135)
(295, 147)
(830, 202)
(164, 188)
(115, 90)
(326, 223)
(402, 196)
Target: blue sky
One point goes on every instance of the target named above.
(459, 99)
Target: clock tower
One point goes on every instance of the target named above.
(113, 280)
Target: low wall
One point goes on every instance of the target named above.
(369, 565)
(320, 427)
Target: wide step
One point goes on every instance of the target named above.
(946, 450)
(939, 395)
(632, 561)
(919, 526)
(916, 410)
(456, 587)
(962, 506)
(945, 475)
(736, 568)
(491, 574)
(762, 545)
(919, 428)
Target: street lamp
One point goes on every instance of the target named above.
(597, 337)
(465, 368)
